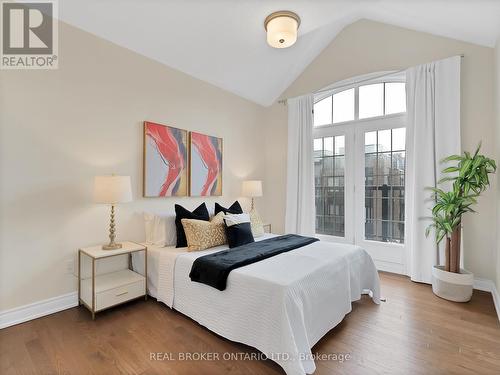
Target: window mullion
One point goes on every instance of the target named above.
(332, 109)
(356, 103)
(383, 99)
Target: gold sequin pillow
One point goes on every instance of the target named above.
(256, 223)
(201, 234)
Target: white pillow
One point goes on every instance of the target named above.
(160, 229)
(233, 219)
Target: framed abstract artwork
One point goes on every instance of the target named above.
(165, 161)
(206, 165)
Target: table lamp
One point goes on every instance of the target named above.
(112, 190)
(252, 189)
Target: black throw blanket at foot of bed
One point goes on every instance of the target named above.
(213, 269)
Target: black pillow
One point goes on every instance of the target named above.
(234, 209)
(239, 234)
(200, 213)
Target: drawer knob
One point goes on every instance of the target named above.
(121, 294)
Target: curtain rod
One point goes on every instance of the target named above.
(283, 101)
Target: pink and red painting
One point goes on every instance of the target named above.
(165, 161)
(206, 165)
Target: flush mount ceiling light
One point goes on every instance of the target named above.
(282, 28)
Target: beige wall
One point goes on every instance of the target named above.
(366, 47)
(60, 128)
(497, 107)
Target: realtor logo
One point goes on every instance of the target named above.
(29, 35)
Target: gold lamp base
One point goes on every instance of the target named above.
(112, 246)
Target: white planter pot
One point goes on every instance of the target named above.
(452, 286)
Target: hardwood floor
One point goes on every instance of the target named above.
(414, 332)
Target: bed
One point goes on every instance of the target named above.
(282, 305)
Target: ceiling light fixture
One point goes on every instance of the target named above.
(282, 28)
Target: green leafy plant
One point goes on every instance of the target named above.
(470, 177)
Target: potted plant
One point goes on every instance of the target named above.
(469, 177)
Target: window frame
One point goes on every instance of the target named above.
(388, 256)
(348, 133)
(333, 91)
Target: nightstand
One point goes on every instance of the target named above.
(100, 290)
(268, 226)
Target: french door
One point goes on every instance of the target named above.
(360, 187)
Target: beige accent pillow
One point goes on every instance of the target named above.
(201, 234)
(256, 223)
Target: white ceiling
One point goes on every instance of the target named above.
(223, 41)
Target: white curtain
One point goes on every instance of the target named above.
(433, 132)
(300, 209)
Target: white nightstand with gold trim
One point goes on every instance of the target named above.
(101, 291)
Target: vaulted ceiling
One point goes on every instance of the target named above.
(223, 41)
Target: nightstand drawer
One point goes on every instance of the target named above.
(113, 288)
(120, 294)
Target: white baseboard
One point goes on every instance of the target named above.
(484, 284)
(489, 286)
(496, 300)
(389, 266)
(37, 309)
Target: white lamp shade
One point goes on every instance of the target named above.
(112, 189)
(252, 188)
(282, 31)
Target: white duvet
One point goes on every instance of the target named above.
(282, 305)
